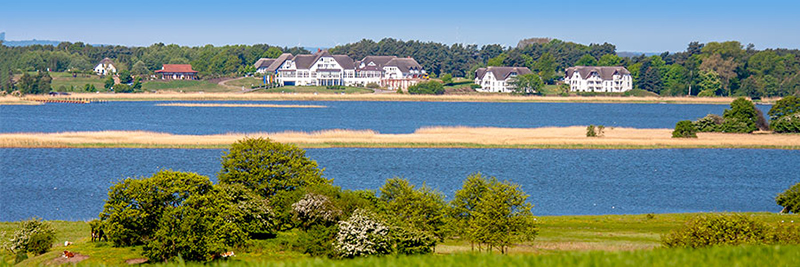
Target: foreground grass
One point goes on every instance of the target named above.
(428, 137)
(607, 240)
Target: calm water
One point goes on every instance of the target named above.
(385, 117)
(71, 184)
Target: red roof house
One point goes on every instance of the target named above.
(177, 71)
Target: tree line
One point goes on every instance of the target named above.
(710, 69)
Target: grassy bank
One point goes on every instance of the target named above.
(608, 240)
(188, 86)
(432, 137)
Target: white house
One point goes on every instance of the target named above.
(106, 66)
(322, 69)
(598, 79)
(498, 79)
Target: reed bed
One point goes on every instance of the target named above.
(169, 95)
(10, 100)
(434, 137)
(237, 105)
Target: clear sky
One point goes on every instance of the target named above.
(645, 26)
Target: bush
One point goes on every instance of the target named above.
(741, 118)
(711, 230)
(709, 123)
(123, 88)
(790, 199)
(335, 87)
(318, 241)
(250, 211)
(362, 235)
(590, 132)
(410, 242)
(427, 88)
(314, 209)
(474, 86)
(134, 208)
(34, 236)
(268, 167)
(787, 124)
(684, 129)
(373, 86)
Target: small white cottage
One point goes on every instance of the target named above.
(105, 67)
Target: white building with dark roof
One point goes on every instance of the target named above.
(105, 67)
(322, 69)
(498, 79)
(598, 79)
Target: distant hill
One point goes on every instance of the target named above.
(30, 42)
(636, 54)
(2, 36)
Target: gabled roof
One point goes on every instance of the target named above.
(106, 61)
(263, 62)
(501, 73)
(278, 62)
(304, 61)
(345, 61)
(379, 61)
(404, 64)
(170, 68)
(605, 73)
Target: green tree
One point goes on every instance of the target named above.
(268, 167)
(447, 79)
(587, 60)
(710, 84)
(464, 207)
(426, 88)
(125, 77)
(609, 60)
(134, 207)
(741, 118)
(786, 106)
(140, 69)
(684, 129)
(497, 61)
(790, 199)
(422, 210)
(33, 236)
(546, 66)
(527, 83)
(272, 52)
(503, 216)
(108, 83)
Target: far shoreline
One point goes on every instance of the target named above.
(383, 97)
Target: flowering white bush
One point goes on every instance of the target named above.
(361, 235)
(314, 208)
(33, 236)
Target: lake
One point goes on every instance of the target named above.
(71, 184)
(384, 117)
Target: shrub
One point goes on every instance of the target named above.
(741, 118)
(474, 86)
(590, 131)
(410, 242)
(318, 240)
(33, 236)
(416, 209)
(787, 124)
(122, 88)
(786, 106)
(135, 206)
(315, 209)
(784, 234)
(250, 211)
(373, 85)
(267, 167)
(684, 129)
(709, 123)
(362, 235)
(710, 230)
(427, 88)
(790, 199)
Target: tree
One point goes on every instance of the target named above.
(421, 210)
(609, 60)
(786, 106)
(790, 199)
(464, 207)
(710, 84)
(724, 68)
(586, 60)
(526, 83)
(272, 52)
(684, 129)
(741, 118)
(33, 236)
(139, 69)
(268, 167)
(447, 79)
(123, 88)
(546, 66)
(362, 235)
(134, 208)
(503, 216)
(108, 83)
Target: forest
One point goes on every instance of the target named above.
(703, 69)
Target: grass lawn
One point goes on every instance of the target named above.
(72, 84)
(607, 240)
(246, 82)
(317, 89)
(183, 85)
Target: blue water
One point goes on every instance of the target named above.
(71, 184)
(384, 117)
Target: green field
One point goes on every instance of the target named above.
(607, 240)
(317, 89)
(75, 84)
(183, 85)
(247, 82)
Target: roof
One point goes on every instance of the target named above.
(344, 61)
(181, 68)
(404, 64)
(501, 73)
(379, 61)
(606, 73)
(106, 61)
(263, 62)
(278, 62)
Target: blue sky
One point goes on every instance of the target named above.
(647, 26)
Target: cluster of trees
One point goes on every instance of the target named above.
(267, 187)
(426, 88)
(744, 117)
(209, 61)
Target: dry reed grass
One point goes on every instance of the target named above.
(238, 105)
(168, 95)
(488, 137)
(11, 100)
